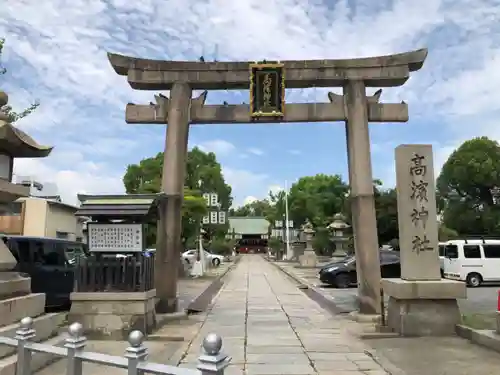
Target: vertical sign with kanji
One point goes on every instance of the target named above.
(417, 214)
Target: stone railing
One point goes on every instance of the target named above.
(211, 362)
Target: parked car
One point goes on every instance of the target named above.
(342, 274)
(50, 262)
(475, 261)
(214, 259)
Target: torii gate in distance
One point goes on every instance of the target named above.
(354, 107)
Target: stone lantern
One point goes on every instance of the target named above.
(14, 143)
(338, 228)
(309, 258)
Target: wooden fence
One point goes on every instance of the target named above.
(132, 274)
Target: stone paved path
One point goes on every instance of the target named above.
(270, 327)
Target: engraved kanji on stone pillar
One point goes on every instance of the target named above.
(417, 213)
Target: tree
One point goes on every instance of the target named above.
(258, 208)
(446, 234)
(7, 109)
(203, 174)
(386, 210)
(317, 198)
(322, 242)
(468, 187)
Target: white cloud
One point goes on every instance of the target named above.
(85, 177)
(219, 147)
(275, 189)
(249, 200)
(244, 183)
(295, 152)
(256, 151)
(56, 52)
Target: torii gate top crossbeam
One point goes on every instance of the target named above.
(381, 71)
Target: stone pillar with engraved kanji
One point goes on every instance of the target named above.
(421, 303)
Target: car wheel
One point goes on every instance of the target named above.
(342, 281)
(216, 262)
(474, 279)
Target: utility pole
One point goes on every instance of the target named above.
(289, 254)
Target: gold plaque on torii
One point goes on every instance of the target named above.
(267, 90)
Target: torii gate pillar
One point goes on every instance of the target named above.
(168, 240)
(364, 219)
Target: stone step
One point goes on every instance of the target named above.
(38, 360)
(15, 308)
(12, 283)
(45, 326)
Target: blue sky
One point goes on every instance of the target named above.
(56, 53)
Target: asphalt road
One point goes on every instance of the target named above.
(479, 300)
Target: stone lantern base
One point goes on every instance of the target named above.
(308, 259)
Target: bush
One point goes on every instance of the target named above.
(274, 244)
(221, 247)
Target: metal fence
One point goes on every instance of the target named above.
(132, 274)
(211, 362)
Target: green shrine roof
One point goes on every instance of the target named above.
(248, 225)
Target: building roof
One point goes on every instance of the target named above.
(117, 206)
(248, 225)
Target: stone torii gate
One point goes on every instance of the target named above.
(354, 107)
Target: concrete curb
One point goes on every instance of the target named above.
(483, 337)
(163, 319)
(203, 300)
(312, 292)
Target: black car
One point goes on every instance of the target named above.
(50, 262)
(343, 274)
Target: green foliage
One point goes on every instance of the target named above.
(221, 247)
(13, 116)
(322, 242)
(446, 234)
(386, 209)
(467, 185)
(258, 208)
(275, 244)
(203, 174)
(317, 198)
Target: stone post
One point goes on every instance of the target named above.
(420, 302)
(170, 219)
(364, 221)
(309, 258)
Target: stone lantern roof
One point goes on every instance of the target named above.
(338, 222)
(14, 141)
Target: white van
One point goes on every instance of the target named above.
(474, 261)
